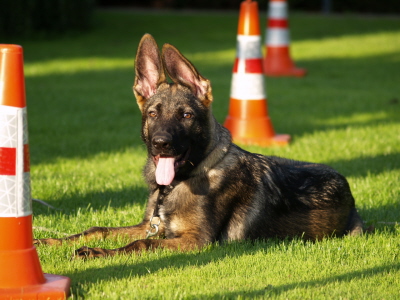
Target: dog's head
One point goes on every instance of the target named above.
(175, 122)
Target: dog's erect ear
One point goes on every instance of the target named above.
(149, 70)
(183, 72)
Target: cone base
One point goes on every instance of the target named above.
(258, 132)
(20, 268)
(277, 63)
(55, 287)
(294, 72)
(279, 140)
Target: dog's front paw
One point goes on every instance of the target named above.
(86, 252)
(47, 241)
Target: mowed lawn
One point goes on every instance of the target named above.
(87, 156)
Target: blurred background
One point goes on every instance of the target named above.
(24, 17)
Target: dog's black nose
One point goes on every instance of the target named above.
(162, 141)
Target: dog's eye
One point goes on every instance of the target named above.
(152, 114)
(187, 115)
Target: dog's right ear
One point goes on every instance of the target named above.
(149, 70)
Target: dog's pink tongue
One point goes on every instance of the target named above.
(165, 171)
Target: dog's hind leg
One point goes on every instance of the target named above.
(355, 224)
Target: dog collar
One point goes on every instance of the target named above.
(163, 191)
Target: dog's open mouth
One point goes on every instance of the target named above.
(166, 167)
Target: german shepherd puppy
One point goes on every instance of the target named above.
(205, 189)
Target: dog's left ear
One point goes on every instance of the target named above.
(181, 71)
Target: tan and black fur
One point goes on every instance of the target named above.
(220, 192)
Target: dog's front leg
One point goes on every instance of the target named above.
(137, 231)
(184, 243)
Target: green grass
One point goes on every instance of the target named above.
(87, 156)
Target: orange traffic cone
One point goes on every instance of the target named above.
(21, 275)
(277, 61)
(248, 119)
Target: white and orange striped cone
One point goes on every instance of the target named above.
(248, 119)
(21, 276)
(277, 61)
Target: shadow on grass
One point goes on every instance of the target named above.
(337, 94)
(367, 165)
(321, 283)
(71, 204)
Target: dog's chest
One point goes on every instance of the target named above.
(181, 211)
(184, 211)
